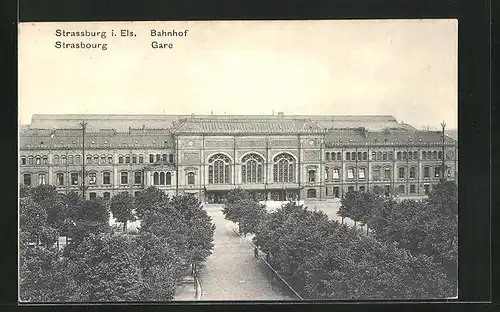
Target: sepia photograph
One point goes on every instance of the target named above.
(212, 161)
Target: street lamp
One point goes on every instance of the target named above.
(443, 125)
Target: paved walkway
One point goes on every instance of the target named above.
(232, 272)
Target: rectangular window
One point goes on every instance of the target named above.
(89, 159)
(30, 161)
(361, 173)
(60, 179)
(106, 195)
(427, 172)
(401, 173)
(103, 159)
(326, 174)
(141, 159)
(137, 177)
(63, 160)
(164, 157)
(158, 157)
(376, 173)
(401, 189)
(127, 159)
(23, 160)
(151, 158)
(92, 178)
(92, 195)
(413, 173)
(387, 174)
(384, 156)
(120, 159)
(74, 179)
(71, 160)
(106, 178)
(41, 179)
(426, 189)
(27, 179)
(336, 174)
(350, 173)
(437, 172)
(45, 160)
(38, 160)
(124, 178)
(190, 178)
(96, 159)
(77, 159)
(365, 156)
(312, 176)
(360, 155)
(347, 156)
(110, 159)
(412, 189)
(134, 159)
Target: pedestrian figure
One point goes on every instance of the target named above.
(256, 252)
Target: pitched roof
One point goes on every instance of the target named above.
(240, 125)
(72, 138)
(122, 123)
(361, 136)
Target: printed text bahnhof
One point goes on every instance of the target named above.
(103, 35)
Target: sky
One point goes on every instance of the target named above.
(404, 68)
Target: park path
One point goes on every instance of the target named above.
(232, 272)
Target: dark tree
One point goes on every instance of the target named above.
(44, 276)
(148, 200)
(122, 206)
(107, 268)
(48, 197)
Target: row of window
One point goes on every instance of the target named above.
(378, 172)
(360, 156)
(106, 195)
(74, 178)
(95, 159)
(386, 190)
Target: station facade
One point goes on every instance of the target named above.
(274, 157)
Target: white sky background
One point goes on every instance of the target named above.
(403, 68)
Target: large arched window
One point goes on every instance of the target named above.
(219, 170)
(155, 178)
(168, 178)
(284, 168)
(251, 168)
(162, 178)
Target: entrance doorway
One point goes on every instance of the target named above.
(216, 197)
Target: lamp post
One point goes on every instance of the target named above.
(83, 124)
(443, 177)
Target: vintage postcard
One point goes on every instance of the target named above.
(238, 161)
